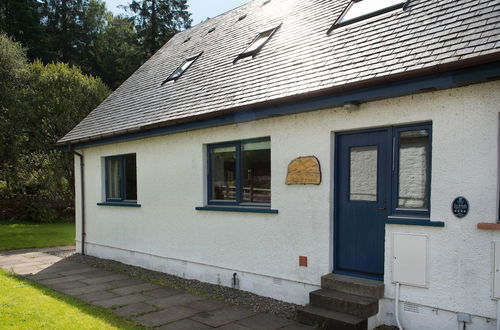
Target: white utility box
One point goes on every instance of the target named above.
(409, 259)
(496, 270)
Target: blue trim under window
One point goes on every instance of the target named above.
(124, 204)
(236, 209)
(238, 178)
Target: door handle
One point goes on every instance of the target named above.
(381, 208)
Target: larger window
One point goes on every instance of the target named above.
(239, 173)
(361, 9)
(412, 170)
(121, 178)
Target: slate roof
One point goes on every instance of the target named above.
(300, 58)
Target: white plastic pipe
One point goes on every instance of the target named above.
(498, 314)
(397, 307)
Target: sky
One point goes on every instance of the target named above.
(200, 9)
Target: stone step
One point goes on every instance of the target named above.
(321, 318)
(353, 285)
(337, 301)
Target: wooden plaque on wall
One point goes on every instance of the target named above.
(304, 170)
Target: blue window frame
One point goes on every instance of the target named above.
(121, 178)
(411, 170)
(239, 173)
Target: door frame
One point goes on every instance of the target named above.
(392, 156)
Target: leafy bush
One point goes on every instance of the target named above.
(36, 212)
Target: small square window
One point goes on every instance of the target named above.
(121, 178)
(361, 9)
(182, 68)
(240, 173)
(257, 44)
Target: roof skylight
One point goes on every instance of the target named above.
(257, 44)
(362, 9)
(181, 69)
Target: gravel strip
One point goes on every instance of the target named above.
(62, 253)
(222, 293)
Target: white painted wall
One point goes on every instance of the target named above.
(169, 235)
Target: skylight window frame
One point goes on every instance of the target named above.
(338, 23)
(254, 52)
(174, 77)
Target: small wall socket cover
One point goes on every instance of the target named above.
(462, 317)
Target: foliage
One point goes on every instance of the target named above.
(86, 34)
(27, 305)
(49, 101)
(20, 235)
(36, 212)
(156, 21)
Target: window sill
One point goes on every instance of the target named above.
(236, 209)
(488, 226)
(413, 222)
(119, 204)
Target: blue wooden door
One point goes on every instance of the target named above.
(361, 191)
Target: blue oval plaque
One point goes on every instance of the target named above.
(460, 207)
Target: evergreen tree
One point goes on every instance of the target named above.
(158, 20)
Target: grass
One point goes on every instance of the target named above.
(27, 305)
(33, 235)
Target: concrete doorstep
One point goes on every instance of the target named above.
(148, 304)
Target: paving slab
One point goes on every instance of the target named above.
(297, 326)
(124, 283)
(80, 271)
(135, 309)
(62, 279)
(136, 288)
(180, 299)
(185, 324)
(104, 279)
(222, 316)
(168, 315)
(206, 305)
(68, 285)
(87, 289)
(42, 276)
(264, 321)
(97, 296)
(163, 292)
(234, 326)
(122, 301)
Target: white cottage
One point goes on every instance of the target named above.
(183, 169)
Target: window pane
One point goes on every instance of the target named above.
(257, 172)
(366, 7)
(363, 174)
(413, 155)
(130, 178)
(224, 173)
(261, 39)
(114, 180)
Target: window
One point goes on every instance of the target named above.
(361, 9)
(412, 170)
(257, 44)
(180, 70)
(121, 178)
(239, 173)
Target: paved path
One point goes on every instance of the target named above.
(148, 304)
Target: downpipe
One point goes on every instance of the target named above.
(82, 197)
(396, 307)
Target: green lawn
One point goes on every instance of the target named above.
(31, 235)
(26, 305)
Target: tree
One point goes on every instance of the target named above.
(117, 53)
(21, 20)
(158, 20)
(13, 77)
(39, 104)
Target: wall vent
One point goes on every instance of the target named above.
(411, 307)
